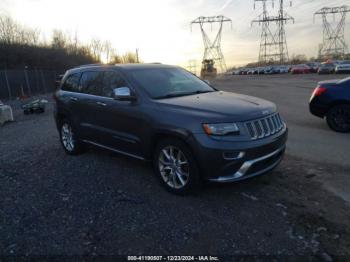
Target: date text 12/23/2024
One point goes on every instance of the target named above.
(173, 258)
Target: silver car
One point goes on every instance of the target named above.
(343, 68)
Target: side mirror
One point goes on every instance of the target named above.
(123, 94)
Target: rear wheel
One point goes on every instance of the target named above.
(176, 167)
(69, 140)
(338, 118)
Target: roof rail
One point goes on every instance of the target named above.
(97, 64)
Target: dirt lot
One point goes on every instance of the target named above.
(104, 203)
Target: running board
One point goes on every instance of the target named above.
(114, 150)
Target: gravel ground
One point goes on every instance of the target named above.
(103, 203)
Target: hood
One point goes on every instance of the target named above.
(220, 105)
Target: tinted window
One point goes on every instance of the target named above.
(92, 83)
(166, 82)
(71, 83)
(112, 80)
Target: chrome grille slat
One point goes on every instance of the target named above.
(270, 125)
(255, 131)
(264, 127)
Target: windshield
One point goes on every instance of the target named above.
(169, 82)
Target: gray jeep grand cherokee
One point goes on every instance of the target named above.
(190, 130)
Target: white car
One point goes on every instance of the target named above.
(343, 68)
(284, 69)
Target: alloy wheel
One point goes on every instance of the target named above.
(173, 167)
(341, 118)
(67, 137)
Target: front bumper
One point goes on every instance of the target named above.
(250, 168)
(317, 107)
(253, 157)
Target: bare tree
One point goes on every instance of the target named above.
(59, 39)
(116, 59)
(7, 30)
(129, 57)
(13, 33)
(108, 50)
(96, 48)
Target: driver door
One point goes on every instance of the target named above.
(121, 121)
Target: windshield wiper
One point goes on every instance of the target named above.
(184, 94)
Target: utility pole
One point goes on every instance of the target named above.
(137, 55)
(212, 49)
(273, 43)
(334, 44)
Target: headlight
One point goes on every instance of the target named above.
(221, 129)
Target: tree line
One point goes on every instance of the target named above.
(24, 47)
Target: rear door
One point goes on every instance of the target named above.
(69, 98)
(90, 104)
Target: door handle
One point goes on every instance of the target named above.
(73, 99)
(101, 104)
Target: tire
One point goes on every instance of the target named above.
(178, 172)
(338, 118)
(70, 142)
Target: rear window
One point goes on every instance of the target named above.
(71, 83)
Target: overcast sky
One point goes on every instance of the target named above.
(161, 28)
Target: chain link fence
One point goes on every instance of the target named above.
(26, 83)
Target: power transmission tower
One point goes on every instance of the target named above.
(212, 50)
(334, 44)
(273, 44)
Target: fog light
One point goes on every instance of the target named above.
(234, 155)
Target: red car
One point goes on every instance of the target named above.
(301, 69)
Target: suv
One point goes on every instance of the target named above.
(187, 128)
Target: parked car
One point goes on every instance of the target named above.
(271, 70)
(187, 128)
(243, 71)
(326, 68)
(331, 100)
(252, 71)
(301, 69)
(343, 68)
(284, 69)
(261, 70)
(313, 67)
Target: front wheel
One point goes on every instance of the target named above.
(338, 118)
(176, 167)
(69, 140)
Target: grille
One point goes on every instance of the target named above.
(264, 127)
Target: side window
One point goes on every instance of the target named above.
(71, 83)
(92, 83)
(112, 80)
